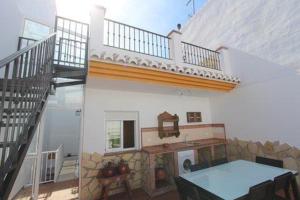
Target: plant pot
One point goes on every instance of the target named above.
(123, 167)
(109, 170)
(160, 174)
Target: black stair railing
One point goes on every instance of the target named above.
(25, 79)
(25, 42)
(71, 49)
(196, 55)
(135, 39)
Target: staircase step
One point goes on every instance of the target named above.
(59, 68)
(12, 116)
(70, 83)
(21, 90)
(3, 124)
(18, 110)
(7, 144)
(74, 74)
(22, 98)
(19, 83)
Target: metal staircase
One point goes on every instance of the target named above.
(26, 78)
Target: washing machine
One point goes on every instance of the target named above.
(185, 160)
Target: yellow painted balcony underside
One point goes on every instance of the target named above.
(98, 68)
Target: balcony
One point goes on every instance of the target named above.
(121, 51)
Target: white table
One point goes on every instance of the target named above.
(232, 180)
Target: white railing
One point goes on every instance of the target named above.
(59, 160)
(51, 164)
(47, 166)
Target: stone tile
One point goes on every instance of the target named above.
(85, 181)
(83, 172)
(268, 148)
(93, 185)
(88, 164)
(252, 147)
(282, 147)
(127, 156)
(294, 153)
(242, 144)
(137, 165)
(137, 156)
(92, 173)
(85, 156)
(85, 194)
(96, 157)
(290, 163)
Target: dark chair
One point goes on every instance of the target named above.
(200, 166)
(204, 195)
(262, 191)
(283, 182)
(295, 188)
(219, 161)
(269, 161)
(186, 191)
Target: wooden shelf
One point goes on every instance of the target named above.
(166, 131)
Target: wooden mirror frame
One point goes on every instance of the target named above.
(168, 131)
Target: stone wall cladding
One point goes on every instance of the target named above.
(139, 163)
(91, 163)
(146, 171)
(248, 150)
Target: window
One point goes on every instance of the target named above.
(121, 131)
(35, 30)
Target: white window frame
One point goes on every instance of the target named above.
(136, 133)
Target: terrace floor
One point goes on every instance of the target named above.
(68, 190)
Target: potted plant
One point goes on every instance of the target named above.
(123, 167)
(109, 170)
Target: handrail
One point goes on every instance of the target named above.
(25, 86)
(27, 38)
(199, 47)
(200, 56)
(17, 54)
(55, 161)
(71, 43)
(130, 38)
(136, 27)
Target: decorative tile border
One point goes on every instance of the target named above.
(166, 66)
(192, 126)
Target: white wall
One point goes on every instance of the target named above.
(62, 124)
(25, 174)
(12, 15)
(268, 29)
(149, 106)
(266, 106)
(24, 177)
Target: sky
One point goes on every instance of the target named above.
(159, 16)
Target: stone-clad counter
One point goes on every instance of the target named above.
(166, 156)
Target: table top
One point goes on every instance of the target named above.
(232, 180)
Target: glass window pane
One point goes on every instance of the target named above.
(128, 134)
(35, 30)
(113, 131)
